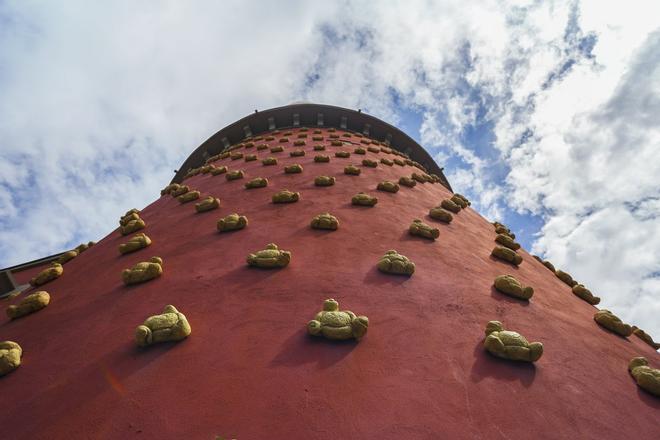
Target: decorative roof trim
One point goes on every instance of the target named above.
(310, 115)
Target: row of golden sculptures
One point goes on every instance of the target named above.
(172, 325)
(512, 345)
(332, 323)
(335, 139)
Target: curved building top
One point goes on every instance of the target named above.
(310, 115)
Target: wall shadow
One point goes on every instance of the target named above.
(378, 278)
(406, 236)
(254, 274)
(308, 231)
(647, 398)
(301, 348)
(611, 333)
(502, 297)
(509, 265)
(487, 365)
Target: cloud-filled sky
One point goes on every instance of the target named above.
(544, 113)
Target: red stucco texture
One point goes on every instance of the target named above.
(250, 371)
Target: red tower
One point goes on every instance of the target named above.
(250, 369)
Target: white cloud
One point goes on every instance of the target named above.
(98, 99)
(593, 166)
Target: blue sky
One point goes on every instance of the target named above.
(543, 113)
(480, 137)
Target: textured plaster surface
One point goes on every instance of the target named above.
(250, 371)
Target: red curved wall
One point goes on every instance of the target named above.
(249, 371)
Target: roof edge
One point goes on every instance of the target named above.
(310, 115)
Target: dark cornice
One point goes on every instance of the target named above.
(307, 115)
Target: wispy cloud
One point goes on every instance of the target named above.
(545, 114)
